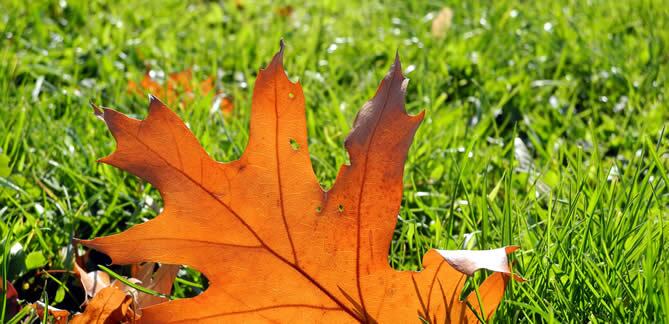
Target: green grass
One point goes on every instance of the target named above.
(581, 84)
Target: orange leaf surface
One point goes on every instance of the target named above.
(273, 244)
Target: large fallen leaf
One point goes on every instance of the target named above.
(273, 245)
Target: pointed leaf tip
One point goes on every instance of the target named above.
(97, 110)
(278, 57)
(155, 104)
(397, 65)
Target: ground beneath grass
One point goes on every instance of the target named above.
(545, 128)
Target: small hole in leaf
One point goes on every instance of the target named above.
(319, 209)
(291, 95)
(294, 144)
(340, 208)
(190, 283)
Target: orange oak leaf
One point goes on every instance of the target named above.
(276, 247)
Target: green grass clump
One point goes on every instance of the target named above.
(545, 128)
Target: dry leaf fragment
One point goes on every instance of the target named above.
(273, 245)
(442, 22)
(285, 11)
(160, 281)
(11, 298)
(178, 85)
(110, 305)
(226, 106)
(93, 281)
(178, 89)
(468, 261)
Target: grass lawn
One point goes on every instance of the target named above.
(545, 128)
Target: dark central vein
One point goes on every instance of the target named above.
(360, 197)
(278, 171)
(250, 229)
